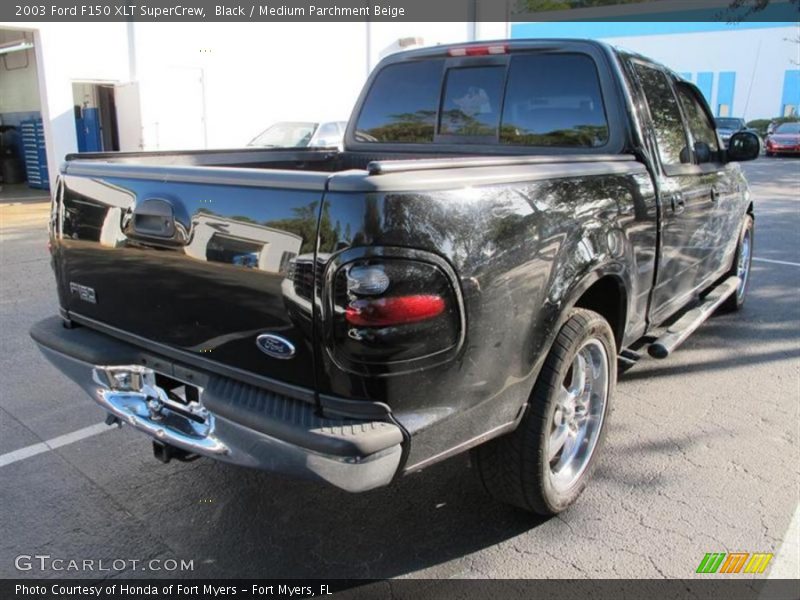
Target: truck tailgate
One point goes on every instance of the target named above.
(201, 261)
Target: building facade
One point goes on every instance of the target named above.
(747, 70)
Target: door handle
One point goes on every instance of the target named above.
(678, 203)
(714, 194)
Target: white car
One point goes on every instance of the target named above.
(301, 134)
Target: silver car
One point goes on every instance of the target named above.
(301, 134)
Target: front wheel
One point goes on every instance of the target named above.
(544, 464)
(741, 266)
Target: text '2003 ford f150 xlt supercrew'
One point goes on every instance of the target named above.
(506, 222)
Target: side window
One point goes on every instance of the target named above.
(699, 123)
(666, 116)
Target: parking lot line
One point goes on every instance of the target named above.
(777, 262)
(787, 558)
(52, 444)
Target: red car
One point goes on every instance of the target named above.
(784, 140)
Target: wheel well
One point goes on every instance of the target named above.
(607, 298)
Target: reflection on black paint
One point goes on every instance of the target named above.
(514, 250)
(212, 292)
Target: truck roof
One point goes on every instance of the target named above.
(511, 45)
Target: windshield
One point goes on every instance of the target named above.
(730, 124)
(285, 135)
(788, 128)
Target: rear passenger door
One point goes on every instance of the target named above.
(684, 196)
(721, 179)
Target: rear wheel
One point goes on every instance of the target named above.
(741, 266)
(544, 465)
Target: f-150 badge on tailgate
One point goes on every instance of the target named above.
(275, 346)
(84, 292)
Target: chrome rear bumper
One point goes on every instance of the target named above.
(129, 392)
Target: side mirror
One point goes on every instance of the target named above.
(743, 145)
(702, 152)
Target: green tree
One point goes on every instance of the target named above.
(741, 10)
(304, 224)
(737, 10)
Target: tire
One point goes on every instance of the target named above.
(516, 468)
(770, 155)
(741, 266)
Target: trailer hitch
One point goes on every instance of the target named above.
(165, 453)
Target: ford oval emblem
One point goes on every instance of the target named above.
(275, 346)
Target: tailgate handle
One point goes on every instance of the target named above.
(154, 217)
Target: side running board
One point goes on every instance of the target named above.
(677, 333)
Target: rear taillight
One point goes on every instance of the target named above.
(392, 310)
(385, 312)
(366, 280)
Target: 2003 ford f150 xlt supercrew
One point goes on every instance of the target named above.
(506, 222)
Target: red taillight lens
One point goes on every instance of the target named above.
(393, 310)
(385, 312)
(479, 50)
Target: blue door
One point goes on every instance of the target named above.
(88, 129)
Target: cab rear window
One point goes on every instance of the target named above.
(402, 103)
(472, 101)
(553, 100)
(533, 100)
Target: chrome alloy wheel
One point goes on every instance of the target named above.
(578, 415)
(743, 268)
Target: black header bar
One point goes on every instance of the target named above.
(700, 588)
(398, 10)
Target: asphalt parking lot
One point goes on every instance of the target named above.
(702, 456)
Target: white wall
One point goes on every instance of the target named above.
(254, 74)
(759, 57)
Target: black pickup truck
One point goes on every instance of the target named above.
(507, 222)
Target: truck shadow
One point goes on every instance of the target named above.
(267, 526)
(766, 322)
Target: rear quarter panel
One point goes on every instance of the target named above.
(522, 252)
